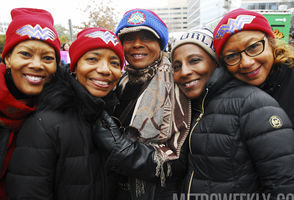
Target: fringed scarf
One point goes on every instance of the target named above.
(161, 116)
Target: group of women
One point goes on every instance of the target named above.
(213, 117)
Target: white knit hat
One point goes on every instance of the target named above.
(202, 37)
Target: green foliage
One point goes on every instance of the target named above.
(63, 33)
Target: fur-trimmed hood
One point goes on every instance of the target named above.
(65, 94)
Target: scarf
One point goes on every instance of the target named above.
(12, 114)
(161, 115)
(13, 111)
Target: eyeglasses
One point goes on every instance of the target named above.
(252, 51)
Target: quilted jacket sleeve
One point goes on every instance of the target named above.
(269, 136)
(131, 157)
(32, 167)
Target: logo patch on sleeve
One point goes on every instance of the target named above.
(275, 122)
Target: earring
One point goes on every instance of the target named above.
(73, 75)
(8, 70)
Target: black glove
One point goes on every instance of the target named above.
(107, 133)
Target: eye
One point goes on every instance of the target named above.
(128, 39)
(254, 47)
(115, 63)
(232, 56)
(194, 60)
(148, 37)
(48, 58)
(91, 59)
(25, 53)
(177, 66)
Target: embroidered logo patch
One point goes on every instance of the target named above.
(233, 25)
(105, 36)
(275, 121)
(137, 18)
(36, 32)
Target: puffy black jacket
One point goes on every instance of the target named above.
(55, 157)
(241, 141)
(280, 85)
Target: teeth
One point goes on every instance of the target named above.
(34, 78)
(100, 82)
(190, 83)
(138, 56)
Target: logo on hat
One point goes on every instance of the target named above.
(137, 18)
(233, 25)
(275, 121)
(36, 32)
(201, 37)
(105, 36)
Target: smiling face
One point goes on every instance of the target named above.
(252, 70)
(192, 69)
(32, 63)
(98, 71)
(141, 48)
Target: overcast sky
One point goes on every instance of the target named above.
(62, 10)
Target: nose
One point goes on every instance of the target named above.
(185, 70)
(137, 43)
(246, 61)
(36, 63)
(103, 67)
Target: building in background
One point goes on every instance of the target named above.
(174, 15)
(267, 4)
(183, 15)
(271, 5)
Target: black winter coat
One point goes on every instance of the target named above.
(241, 142)
(280, 85)
(55, 157)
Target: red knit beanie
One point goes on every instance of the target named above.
(238, 20)
(94, 38)
(31, 23)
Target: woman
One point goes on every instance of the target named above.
(153, 114)
(55, 157)
(65, 60)
(29, 61)
(241, 141)
(250, 52)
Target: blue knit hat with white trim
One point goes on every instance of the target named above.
(142, 19)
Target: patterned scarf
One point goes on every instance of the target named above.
(161, 115)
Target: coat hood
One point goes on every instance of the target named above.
(65, 94)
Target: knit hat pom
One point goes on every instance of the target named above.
(239, 20)
(142, 19)
(94, 38)
(31, 23)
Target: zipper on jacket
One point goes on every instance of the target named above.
(198, 119)
(190, 183)
(191, 132)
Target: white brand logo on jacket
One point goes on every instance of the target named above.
(275, 122)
